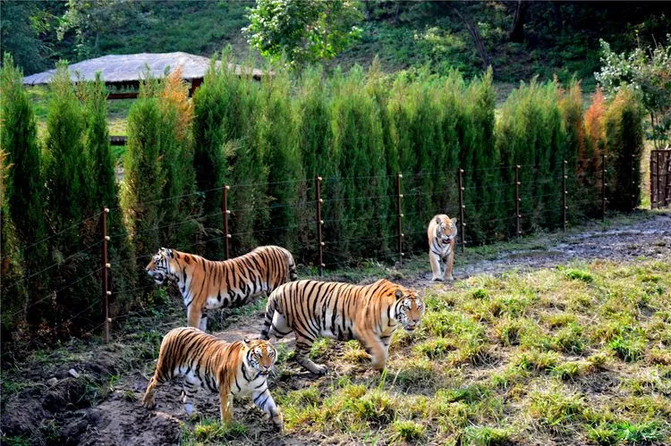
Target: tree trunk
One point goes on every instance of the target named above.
(479, 45)
(516, 33)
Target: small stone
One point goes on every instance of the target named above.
(52, 381)
(73, 373)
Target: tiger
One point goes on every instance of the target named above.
(442, 233)
(368, 313)
(206, 284)
(239, 368)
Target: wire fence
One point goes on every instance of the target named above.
(323, 246)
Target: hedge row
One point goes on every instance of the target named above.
(268, 140)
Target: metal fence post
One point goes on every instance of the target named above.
(517, 200)
(226, 212)
(633, 184)
(603, 186)
(563, 195)
(461, 209)
(652, 180)
(105, 278)
(399, 228)
(320, 223)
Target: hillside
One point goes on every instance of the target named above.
(559, 38)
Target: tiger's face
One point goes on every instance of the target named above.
(160, 267)
(446, 229)
(260, 355)
(409, 308)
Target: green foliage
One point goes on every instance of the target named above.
(105, 191)
(20, 36)
(210, 105)
(22, 199)
(71, 212)
(648, 72)
(143, 179)
(302, 30)
(623, 127)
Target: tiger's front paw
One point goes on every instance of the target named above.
(451, 278)
(149, 403)
(437, 279)
(278, 422)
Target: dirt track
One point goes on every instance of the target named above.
(120, 420)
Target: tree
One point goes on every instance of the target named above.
(303, 31)
(648, 72)
(19, 36)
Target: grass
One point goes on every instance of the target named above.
(531, 374)
(541, 357)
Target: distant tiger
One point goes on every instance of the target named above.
(369, 313)
(442, 233)
(206, 284)
(230, 369)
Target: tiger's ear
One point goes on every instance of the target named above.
(454, 222)
(246, 342)
(398, 294)
(437, 220)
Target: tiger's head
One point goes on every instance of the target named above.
(409, 308)
(162, 265)
(260, 355)
(446, 229)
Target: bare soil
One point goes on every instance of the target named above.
(61, 412)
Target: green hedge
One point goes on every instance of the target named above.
(268, 140)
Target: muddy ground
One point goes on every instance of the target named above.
(57, 410)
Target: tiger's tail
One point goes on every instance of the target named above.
(270, 314)
(292, 265)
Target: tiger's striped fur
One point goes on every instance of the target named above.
(231, 369)
(442, 234)
(368, 313)
(206, 284)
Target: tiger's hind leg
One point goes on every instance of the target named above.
(189, 390)
(149, 400)
(194, 316)
(303, 346)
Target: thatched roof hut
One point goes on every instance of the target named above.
(124, 71)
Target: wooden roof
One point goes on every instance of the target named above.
(128, 68)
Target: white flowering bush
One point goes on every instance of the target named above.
(648, 72)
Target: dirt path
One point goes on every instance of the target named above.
(120, 420)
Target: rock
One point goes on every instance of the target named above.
(52, 382)
(73, 373)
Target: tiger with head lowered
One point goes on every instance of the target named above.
(368, 313)
(206, 284)
(442, 233)
(231, 369)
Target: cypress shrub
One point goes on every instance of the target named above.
(106, 193)
(314, 143)
(69, 192)
(141, 190)
(623, 126)
(358, 146)
(247, 170)
(578, 153)
(278, 134)
(210, 104)
(179, 217)
(483, 192)
(22, 201)
(590, 178)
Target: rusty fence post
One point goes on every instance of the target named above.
(320, 223)
(652, 180)
(564, 194)
(399, 228)
(461, 208)
(659, 199)
(105, 278)
(225, 213)
(517, 200)
(633, 184)
(604, 171)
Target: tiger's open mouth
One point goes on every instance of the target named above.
(159, 278)
(446, 240)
